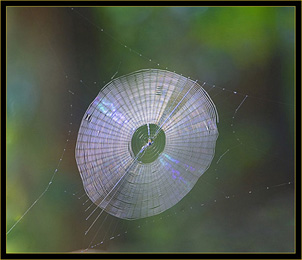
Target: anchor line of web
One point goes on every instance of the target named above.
(100, 227)
(246, 96)
(51, 178)
(118, 41)
(120, 180)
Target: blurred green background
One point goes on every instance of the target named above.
(247, 49)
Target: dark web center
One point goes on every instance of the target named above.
(148, 142)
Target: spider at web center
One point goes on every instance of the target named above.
(148, 142)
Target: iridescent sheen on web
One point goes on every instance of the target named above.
(171, 122)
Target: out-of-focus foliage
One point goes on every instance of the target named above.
(247, 49)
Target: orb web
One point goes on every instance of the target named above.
(175, 148)
(239, 113)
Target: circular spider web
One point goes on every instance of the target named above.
(144, 141)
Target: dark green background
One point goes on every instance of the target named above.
(247, 49)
